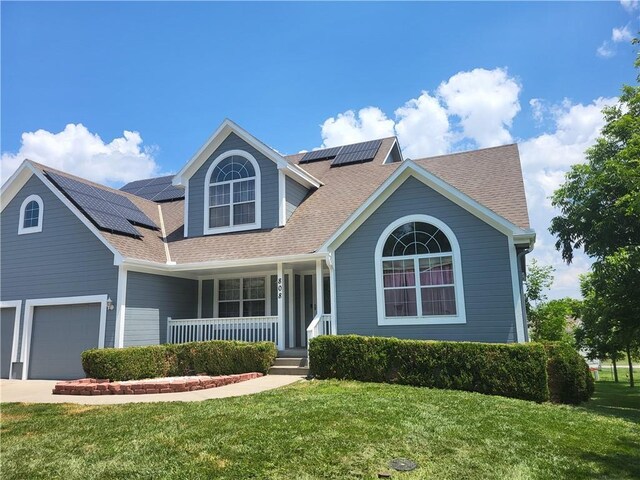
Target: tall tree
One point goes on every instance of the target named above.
(599, 205)
(550, 320)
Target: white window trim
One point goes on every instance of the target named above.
(17, 304)
(461, 316)
(242, 278)
(40, 302)
(207, 182)
(22, 230)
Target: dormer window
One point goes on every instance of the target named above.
(31, 212)
(232, 193)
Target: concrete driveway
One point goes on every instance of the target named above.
(39, 391)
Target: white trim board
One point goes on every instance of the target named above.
(517, 298)
(391, 184)
(17, 304)
(41, 302)
(121, 299)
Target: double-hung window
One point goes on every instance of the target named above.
(419, 275)
(242, 297)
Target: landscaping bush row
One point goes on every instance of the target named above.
(211, 358)
(510, 370)
(527, 371)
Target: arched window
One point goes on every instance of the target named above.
(419, 273)
(31, 212)
(232, 193)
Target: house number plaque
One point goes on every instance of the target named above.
(279, 287)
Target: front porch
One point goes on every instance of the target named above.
(276, 303)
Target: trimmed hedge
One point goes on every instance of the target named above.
(570, 380)
(217, 357)
(510, 370)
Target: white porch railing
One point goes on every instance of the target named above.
(245, 329)
(320, 325)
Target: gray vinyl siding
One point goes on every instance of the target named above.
(153, 298)
(268, 185)
(207, 299)
(65, 259)
(294, 195)
(485, 267)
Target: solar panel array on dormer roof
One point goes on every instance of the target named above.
(106, 209)
(346, 154)
(158, 189)
(357, 153)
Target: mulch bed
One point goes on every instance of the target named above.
(92, 386)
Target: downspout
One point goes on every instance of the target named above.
(522, 298)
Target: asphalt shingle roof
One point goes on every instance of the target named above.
(491, 176)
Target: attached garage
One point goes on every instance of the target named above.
(57, 331)
(9, 326)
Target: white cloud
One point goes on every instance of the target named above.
(351, 127)
(476, 106)
(630, 5)
(423, 127)
(486, 102)
(621, 34)
(76, 150)
(538, 109)
(605, 50)
(545, 160)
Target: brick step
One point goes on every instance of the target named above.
(299, 371)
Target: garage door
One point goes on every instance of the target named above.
(59, 334)
(7, 319)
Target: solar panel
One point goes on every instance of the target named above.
(106, 209)
(158, 189)
(320, 154)
(357, 153)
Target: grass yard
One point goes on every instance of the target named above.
(327, 429)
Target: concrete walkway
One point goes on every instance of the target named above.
(39, 391)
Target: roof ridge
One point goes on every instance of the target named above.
(465, 151)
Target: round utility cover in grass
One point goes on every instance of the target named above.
(402, 464)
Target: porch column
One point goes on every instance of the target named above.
(280, 296)
(333, 292)
(319, 288)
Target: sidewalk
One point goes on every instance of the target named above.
(39, 391)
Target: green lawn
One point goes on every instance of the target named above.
(326, 429)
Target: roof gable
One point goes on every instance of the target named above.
(410, 169)
(215, 140)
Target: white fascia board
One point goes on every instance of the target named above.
(14, 183)
(189, 267)
(117, 256)
(216, 139)
(411, 169)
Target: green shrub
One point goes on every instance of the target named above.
(211, 358)
(510, 370)
(570, 380)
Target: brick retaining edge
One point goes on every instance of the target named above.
(93, 386)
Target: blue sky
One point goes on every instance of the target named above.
(443, 76)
